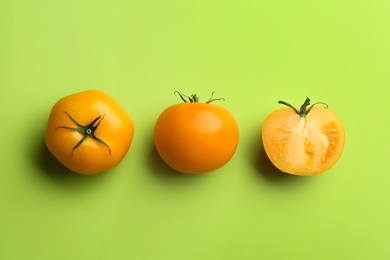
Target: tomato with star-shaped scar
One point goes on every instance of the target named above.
(89, 132)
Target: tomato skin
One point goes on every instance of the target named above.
(303, 145)
(196, 137)
(116, 130)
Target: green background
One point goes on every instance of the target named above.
(251, 52)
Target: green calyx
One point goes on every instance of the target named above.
(194, 98)
(87, 131)
(303, 111)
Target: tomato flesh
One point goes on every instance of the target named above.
(303, 145)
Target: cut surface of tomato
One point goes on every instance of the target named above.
(306, 142)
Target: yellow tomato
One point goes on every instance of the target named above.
(89, 132)
(196, 137)
(305, 142)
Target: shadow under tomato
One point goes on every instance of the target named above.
(52, 169)
(49, 164)
(265, 167)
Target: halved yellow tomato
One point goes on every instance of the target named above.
(303, 142)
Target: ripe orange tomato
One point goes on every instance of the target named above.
(196, 137)
(89, 132)
(305, 142)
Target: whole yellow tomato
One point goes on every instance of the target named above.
(89, 132)
(303, 142)
(196, 137)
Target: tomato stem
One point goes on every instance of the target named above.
(303, 111)
(213, 99)
(86, 131)
(194, 98)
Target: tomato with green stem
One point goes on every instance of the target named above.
(89, 132)
(196, 137)
(305, 142)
